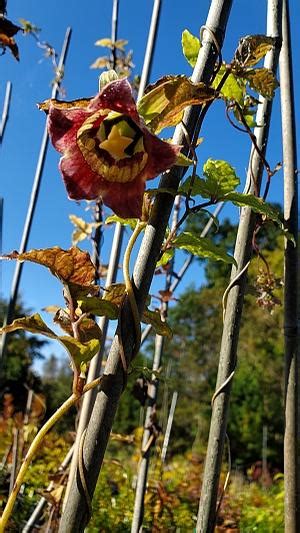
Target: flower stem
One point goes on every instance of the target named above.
(34, 447)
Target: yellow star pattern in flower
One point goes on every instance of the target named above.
(116, 143)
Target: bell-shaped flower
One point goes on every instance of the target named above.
(107, 151)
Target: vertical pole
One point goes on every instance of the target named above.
(96, 363)
(291, 279)
(228, 351)
(32, 203)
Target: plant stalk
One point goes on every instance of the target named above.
(291, 279)
(243, 252)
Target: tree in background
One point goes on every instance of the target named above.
(17, 375)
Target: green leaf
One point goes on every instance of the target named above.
(183, 161)
(163, 104)
(160, 327)
(220, 178)
(258, 205)
(99, 307)
(165, 258)
(262, 80)
(252, 49)
(131, 222)
(33, 323)
(78, 351)
(202, 247)
(234, 87)
(190, 47)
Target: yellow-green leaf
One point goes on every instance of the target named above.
(220, 178)
(258, 205)
(202, 247)
(160, 327)
(78, 351)
(164, 102)
(183, 161)
(113, 219)
(83, 229)
(234, 87)
(99, 307)
(115, 293)
(262, 80)
(106, 42)
(100, 62)
(165, 258)
(252, 49)
(190, 47)
(33, 323)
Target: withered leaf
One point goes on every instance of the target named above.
(115, 293)
(252, 49)
(60, 104)
(70, 266)
(164, 102)
(7, 31)
(261, 80)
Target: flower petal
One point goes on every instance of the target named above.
(80, 180)
(125, 199)
(161, 155)
(116, 96)
(63, 125)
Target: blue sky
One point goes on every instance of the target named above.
(31, 84)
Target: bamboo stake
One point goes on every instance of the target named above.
(96, 363)
(153, 388)
(5, 111)
(75, 516)
(291, 292)
(169, 427)
(243, 251)
(32, 202)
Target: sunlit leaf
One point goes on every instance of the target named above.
(183, 161)
(59, 104)
(220, 178)
(234, 87)
(100, 62)
(99, 307)
(71, 266)
(131, 222)
(258, 205)
(115, 293)
(33, 323)
(121, 43)
(201, 247)
(164, 102)
(83, 229)
(165, 258)
(252, 49)
(78, 351)
(262, 80)
(107, 43)
(160, 327)
(190, 47)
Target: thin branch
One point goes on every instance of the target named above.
(228, 352)
(99, 427)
